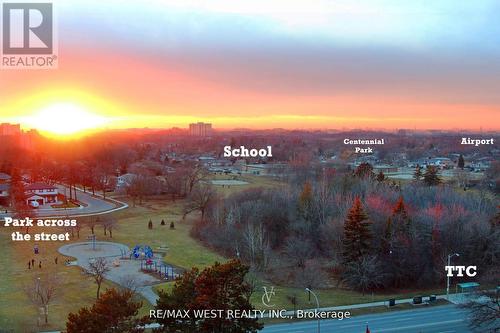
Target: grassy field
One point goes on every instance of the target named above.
(16, 310)
(78, 290)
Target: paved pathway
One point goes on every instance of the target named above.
(127, 274)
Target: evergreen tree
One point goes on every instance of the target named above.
(221, 287)
(431, 176)
(364, 170)
(114, 311)
(400, 219)
(397, 228)
(305, 201)
(461, 162)
(357, 233)
(417, 175)
(380, 176)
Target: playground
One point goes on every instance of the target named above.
(138, 268)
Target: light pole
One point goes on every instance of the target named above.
(317, 306)
(448, 276)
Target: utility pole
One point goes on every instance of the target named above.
(448, 276)
(317, 306)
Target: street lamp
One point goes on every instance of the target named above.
(448, 276)
(317, 306)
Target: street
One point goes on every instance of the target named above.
(441, 319)
(95, 205)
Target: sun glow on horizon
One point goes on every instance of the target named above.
(65, 120)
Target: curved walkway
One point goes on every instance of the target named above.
(125, 272)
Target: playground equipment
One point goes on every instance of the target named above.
(164, 271)
(142, 252)
(92, 239)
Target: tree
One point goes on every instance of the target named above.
(400, 218)
(431, 176)
(417, 175)
(364, 274)
(18, 196)
(98, 268)
(484, 311)
(114, 312)
(306, 195)
(461, 162)
(196, 174)
(357, 233)
(222, 287)
(380, 176)
(364, 170)
(108, 223)
(199, 199)
(91, 222)
(42, 292)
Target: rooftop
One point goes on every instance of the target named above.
(40, 186)
(4, 176)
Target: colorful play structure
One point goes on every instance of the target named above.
(151, 264)
(142, 252)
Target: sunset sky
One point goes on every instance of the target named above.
(266, 64)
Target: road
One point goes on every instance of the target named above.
(440, 319)
(95, 205)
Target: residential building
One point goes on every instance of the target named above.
(4, 178)
(200, 129)
(4, 190)
(7, 129)
(41, 194)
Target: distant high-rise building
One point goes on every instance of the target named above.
(200, 129)
(10, 129)
(11, 134)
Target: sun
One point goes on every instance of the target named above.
(66, 119)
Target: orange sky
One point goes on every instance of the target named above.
(288, 83)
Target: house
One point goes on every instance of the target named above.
(41, 194)
(4, 190)
(4, 178)
(441, 162)
(125, 180)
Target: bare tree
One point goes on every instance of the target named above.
(365, 274)
(196, 174)
(256, 244)
(484, 310)
(108, 223)
(199, 199)
(91, 222)
(98, 267)
(42, 291)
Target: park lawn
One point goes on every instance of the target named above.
(77, 290)
(183, 250)
(16, 310)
